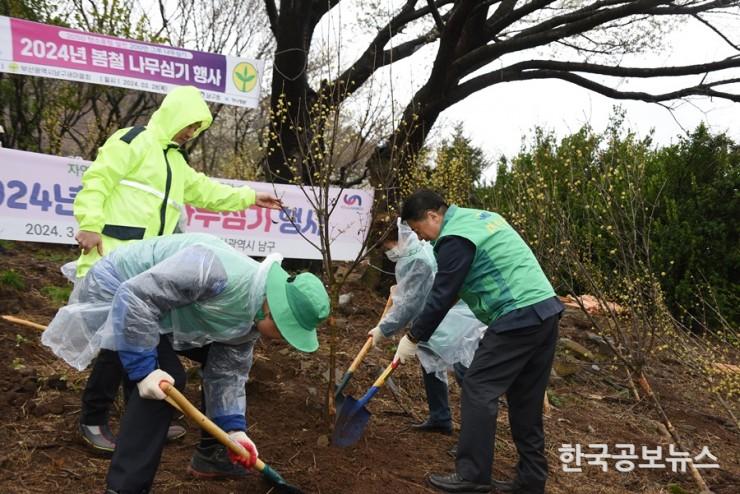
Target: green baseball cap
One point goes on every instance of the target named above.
(297, 304)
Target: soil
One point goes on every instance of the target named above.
(42, 452)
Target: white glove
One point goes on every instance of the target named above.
(149, 386)
(406, 350)
(377, 335)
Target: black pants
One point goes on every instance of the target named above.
(518, 363)
(102, 387)
(144, 427)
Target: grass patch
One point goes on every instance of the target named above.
(676, 489)
(11, 279)
(58, 294)
(55, 256)
(555, 400)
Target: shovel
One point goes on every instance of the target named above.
(338, 396)
(177, 400)
(353, 417)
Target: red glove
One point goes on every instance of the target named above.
(240, 437)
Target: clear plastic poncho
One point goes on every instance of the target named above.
(192, 287)
(456, 338)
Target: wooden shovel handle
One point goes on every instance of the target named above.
(178, 400)
(23, 322)
(369, 343)
(380, 381)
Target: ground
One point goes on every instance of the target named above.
(39, 404)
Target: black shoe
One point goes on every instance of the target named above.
(452, 482)
(99, 437)
(507, 486)
(111, 491)
(429, 426)
(213, 463)
(514, 487)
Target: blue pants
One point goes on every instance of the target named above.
(437, 395)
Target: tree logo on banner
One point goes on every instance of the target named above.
(245, 77)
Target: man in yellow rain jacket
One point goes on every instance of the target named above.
(136, 189)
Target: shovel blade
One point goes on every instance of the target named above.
(339, 403)
(352, 419)
(278, 482)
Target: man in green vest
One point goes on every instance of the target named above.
(135, 189)
(191, 295)
(483, 260)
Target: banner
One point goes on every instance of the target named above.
(31, 48)
(37, 192)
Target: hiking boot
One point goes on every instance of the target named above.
(213, 462)
(102, 440)
(99, 437)
(175, 432)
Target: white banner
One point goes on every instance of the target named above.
(37, 192)
(42, 50)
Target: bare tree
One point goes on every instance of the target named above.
(330, 161)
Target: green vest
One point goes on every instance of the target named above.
(504, 275)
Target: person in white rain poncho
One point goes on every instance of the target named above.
(456, 338)
(193, 295)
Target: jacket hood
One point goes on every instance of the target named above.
(182, 106)
(408, 243)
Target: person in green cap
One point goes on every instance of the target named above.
(191, 295)
(135, 189)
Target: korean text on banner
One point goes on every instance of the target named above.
(31, 48)
(37, 192)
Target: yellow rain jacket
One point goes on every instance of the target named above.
(140, 179)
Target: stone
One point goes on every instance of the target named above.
(576, 348)
(345, 298)
(565, 366)
(602, 343)
(322, 441)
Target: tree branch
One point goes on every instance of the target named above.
(717, 31)
(617, 71)
(272, 15)
(692, 9)
(375, 56)
(546, 32)
(508, 75)
(435, 14)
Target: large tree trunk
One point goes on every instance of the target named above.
(291, 95)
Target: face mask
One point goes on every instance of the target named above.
(393, 254)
